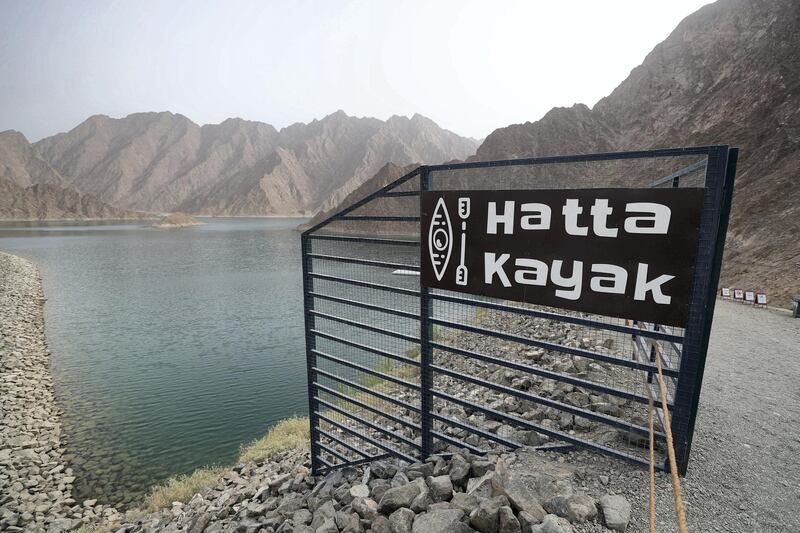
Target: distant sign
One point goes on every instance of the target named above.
(726, 292)
(749, 296)
(761, 298)
(620, 252)
(738, 294)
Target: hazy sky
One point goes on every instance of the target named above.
(471, 66)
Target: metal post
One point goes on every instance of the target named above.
(426, 373)
(720, 173)
(311, 358)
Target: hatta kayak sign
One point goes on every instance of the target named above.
(628, 253)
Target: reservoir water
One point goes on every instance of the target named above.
(171, 348)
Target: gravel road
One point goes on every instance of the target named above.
(744, 473)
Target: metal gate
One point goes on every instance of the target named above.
(398, 369)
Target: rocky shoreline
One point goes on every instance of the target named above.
(35, 484)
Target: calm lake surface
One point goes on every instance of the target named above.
(171, 348)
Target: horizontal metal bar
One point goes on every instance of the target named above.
(367, 240)
(555, 316)
(364, 405)
(366, 369)
(398, 194)
(477, 431)
(342, 443)
(549, 374)
(376, 218)
(457, 442)
(333, 452)
(367, 390)
(377, 351)
(361, 325)
(367, 199)
(566, 408)
(368, 284)
(607, 156)
(550, 346)
(369, 424)
(370, 440)
(364, 305)
(358, 261)
(326, 463)
(553, 433)
(359, 462)
(682, 172)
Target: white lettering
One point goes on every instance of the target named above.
(614, 283)
(571, 211)
(573, 282)
(656, 223)
(600, 212)
(494, 265)
(536, 275)
(506, 219)
(540, 220)
(643, 286)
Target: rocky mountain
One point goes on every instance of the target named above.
(165, 162)
(31, 189)
(727, 74)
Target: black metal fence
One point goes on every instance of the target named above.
(398, 369)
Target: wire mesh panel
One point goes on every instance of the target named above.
(397, 368)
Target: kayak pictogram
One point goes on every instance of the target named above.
(440, 239)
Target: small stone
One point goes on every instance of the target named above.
(366, 508)
(328, 526)
(398, 497)
(302, 517)
(401, 520)
(381, 525)
(441, 488)
(482, 486)
(440, 521)
(508, 522)
(465, 502)
(486, 517)
(527, 521)
(616, 512)
(553, 524)
(459, 470)
(359, 491)
(89, 503)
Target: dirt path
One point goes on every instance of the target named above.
(744, 473)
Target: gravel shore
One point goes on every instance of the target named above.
(35, 484)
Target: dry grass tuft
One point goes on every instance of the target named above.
(182, 488)
(285, 435)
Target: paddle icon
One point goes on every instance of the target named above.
(463, 213)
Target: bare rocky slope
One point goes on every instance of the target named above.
(726, 75)
(32, 189)
(165, 162)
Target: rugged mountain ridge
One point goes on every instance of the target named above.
(727, 74)
(166, 162)
(32, 189)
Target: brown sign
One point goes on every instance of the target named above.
(619, 252)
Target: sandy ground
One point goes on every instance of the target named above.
(745, 466)
(744, 473)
